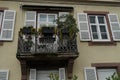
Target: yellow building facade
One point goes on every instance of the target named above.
(98, 56)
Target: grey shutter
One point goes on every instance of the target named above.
(30, 18)
(90, 73)
(4, 74)
(32, 74)
(115, 26)
(61, 73)
(8, 25)
(83, 27)
(1, 15)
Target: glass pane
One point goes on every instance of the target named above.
(95, 35)
(94, 28)
(92, 19)
(43, 17)
(51, 18)
(102, 28)
(105, 73)
(104, 36)
(101, 19)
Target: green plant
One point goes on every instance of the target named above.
(56, 77)
(28, 30)
(115, 76)
(69, 23)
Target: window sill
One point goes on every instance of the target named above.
(111, 43)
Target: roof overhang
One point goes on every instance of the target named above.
(48, 8)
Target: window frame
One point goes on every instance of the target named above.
(102, 43)
(106, 66)
(98, 28)
(47, 20)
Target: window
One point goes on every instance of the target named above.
(105, 73)
(99, 27)
(45, 19)
(91, 73)
(4, 74)
(44, 74)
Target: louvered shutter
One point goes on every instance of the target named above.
(90, 73)
(83, 27)
(115, 26)
(8, 25)
(32, 74)
(30, 18)
(61, 73)
(4, 74)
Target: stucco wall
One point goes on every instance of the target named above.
(88, 54)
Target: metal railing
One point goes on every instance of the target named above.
(36, 44)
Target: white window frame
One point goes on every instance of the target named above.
(47, 22)
(98, 29)
(7, 71)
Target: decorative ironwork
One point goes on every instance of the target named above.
(36, 44)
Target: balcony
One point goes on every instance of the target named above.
(46, 42)
(46, 45)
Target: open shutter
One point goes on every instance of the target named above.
(8, 25)
(115, 26)
(4, 74)
(90, 73)
(32, 74)
(1, 15)
(61, 73)
(30, 18)
(83, 27)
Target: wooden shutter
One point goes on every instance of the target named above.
(8, 25)
(90, 73)
(32, 74)
(4, 74)
(61, 73)
(83, 27)
(30, 18)
(115, 26)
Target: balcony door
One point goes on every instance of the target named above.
(44, 75)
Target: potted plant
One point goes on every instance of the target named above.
(28, 30)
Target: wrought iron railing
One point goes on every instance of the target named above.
(36, 44)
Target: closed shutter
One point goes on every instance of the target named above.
(83, 27)
(61, 73)
(115, 26)
(4, 74)
(30, 18)
(32, 74)
(8, 25)
(90, 73)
